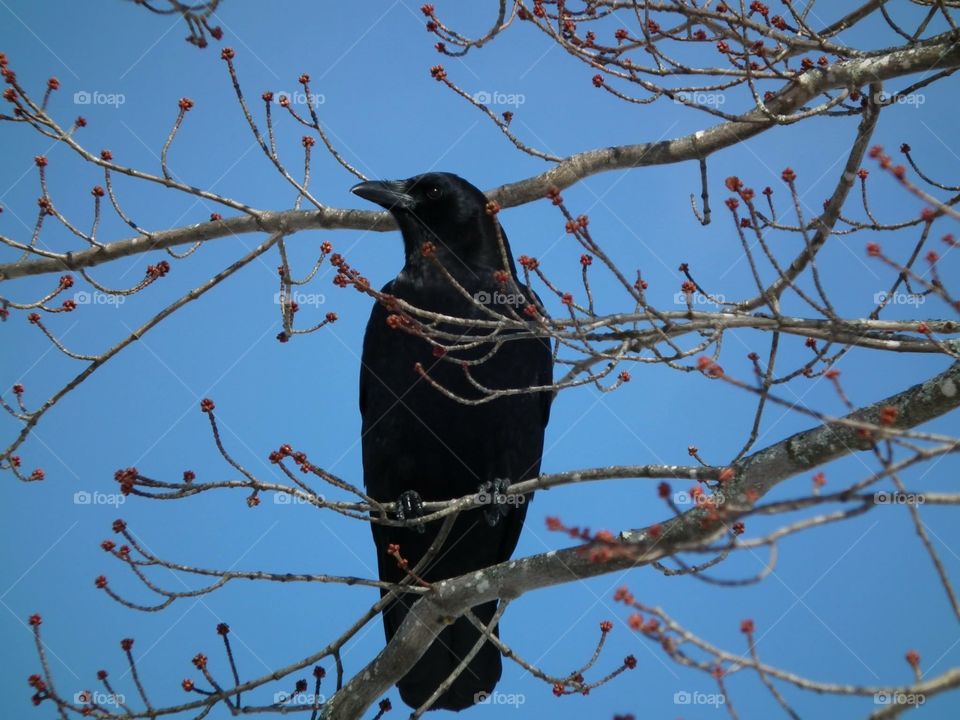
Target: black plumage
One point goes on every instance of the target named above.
(421, 445)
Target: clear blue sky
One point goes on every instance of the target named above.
(844, 603)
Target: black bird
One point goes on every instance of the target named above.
(420, 445)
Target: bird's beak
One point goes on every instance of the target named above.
(389, 194)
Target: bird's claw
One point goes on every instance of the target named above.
(409, 506)
(492, 495)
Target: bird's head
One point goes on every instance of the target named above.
(443, 209)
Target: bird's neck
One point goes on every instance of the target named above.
(470, 251)
(442, 264)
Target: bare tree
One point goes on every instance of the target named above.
(779, 70)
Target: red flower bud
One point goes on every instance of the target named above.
(888, 415)
(733, 183)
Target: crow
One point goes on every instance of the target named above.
(421, 445)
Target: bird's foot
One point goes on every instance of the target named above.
(493, 496)
(409, 506)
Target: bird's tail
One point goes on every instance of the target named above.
(443, 656)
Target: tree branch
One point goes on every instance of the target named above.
(758, 473)
(940, 52)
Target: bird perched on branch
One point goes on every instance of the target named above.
(435, 428)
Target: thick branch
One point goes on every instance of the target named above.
(759, 472)
(942, 52)
(284, 222)
(851, 74)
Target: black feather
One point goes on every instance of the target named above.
(415, 438)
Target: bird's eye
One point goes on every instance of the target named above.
(434, 193)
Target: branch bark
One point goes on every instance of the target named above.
(940, 52)
(759, 472)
